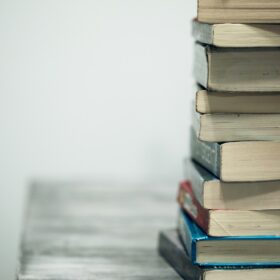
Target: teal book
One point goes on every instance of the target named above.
(172, 250)
(204, 250)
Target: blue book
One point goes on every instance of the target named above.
(204, 250)
(171, 249)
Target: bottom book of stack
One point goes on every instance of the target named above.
(171, 249)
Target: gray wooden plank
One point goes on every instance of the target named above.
(95, 231)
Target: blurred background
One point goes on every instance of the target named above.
(90, 89)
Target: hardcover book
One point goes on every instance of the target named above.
(212, 193)
(171, 249)
(253, 251)
(217, 222)
(237, 69)
(238, 11)
(246, 161)
(237, 35)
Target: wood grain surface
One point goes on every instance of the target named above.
(88, 231)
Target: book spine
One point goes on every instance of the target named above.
(201, 65)
(196, 121)
(171, 250)
(188, 202)
(202, 32)
(186, 238)
(206, 153)
(196, 180)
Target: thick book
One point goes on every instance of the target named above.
(213, 102)
(237, 35)
(212, 193)
(172, 250)
(237, 69)
(246, 161)
(238, 11)
(218, 222)
(237, 127)
(229, 251)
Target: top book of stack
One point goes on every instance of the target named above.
(239, 11)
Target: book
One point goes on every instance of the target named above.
(237, 127)
(235, 251)
(238, 161)
(172, 250)
(237, 35)
(237, 69)
(228, 222)
(238, 11)
(212, 193)
(213, 102)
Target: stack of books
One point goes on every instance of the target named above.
(229, 218)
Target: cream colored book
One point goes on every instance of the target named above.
(237, 35)
(212, 193)
(246, 161)
(239, 11)
(237, 127)
(237, 69)
(212, 102)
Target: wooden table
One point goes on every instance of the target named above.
(88, 231)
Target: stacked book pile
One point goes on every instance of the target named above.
(229, 218)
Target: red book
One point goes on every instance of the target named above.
(217, 222)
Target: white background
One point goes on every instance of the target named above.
(90, 89)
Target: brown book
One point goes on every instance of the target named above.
(237, 34)
(239, 11)
(212, 102)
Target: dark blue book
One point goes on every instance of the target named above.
(212, 193)
(204, 250)
(224, 159)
